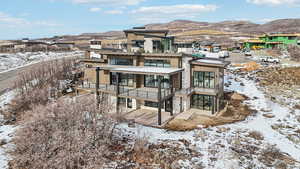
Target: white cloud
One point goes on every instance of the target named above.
(5, 18)
(95, 9)
(265, 20)
(109, 2)
(274, 2)
(12, 21)
(166, 13)
(114, 12)
(184, 9)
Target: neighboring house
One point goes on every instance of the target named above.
(274, 40)
(184, 47)
(62, 45)
(167, 82)
(254, 44)
(95, 44)
(7, 47)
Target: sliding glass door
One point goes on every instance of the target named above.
(202, 102)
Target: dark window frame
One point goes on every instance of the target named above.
(202, 79)
(165, 82)
(124, 79)
(157, 63)
(121, 61)
(202, 102)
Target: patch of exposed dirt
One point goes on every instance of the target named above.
(234, 111)
(283, 82)
(280, 77)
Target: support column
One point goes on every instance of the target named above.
(98, 85)
(172, 93)
(159, 100)
(117, 93)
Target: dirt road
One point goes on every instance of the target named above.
(237, 58)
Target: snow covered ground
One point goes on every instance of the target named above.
(9, 61)
(219, 145)
(6, 131)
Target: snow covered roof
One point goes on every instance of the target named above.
(212, 62)
(142, 70)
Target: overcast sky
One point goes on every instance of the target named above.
(44, 18)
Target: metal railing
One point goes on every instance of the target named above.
(190, 90)
(144, 93)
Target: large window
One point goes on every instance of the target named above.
(121, 61)
(204, 79)
(152, 81)
(124, 79)
(202, 102)
(157, 63)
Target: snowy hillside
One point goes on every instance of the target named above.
(253, 143)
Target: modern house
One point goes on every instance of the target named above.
(274, 40)
(151, 76)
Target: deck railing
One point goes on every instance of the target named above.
(144, 93)
(190, 90)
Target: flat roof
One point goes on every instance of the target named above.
(146, 31)
(211, 62)
(142, 70)
(141, 54)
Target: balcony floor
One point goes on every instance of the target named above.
(148, 117)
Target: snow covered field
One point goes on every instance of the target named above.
(10, 61)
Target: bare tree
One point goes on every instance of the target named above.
(33, 85)
(66, 134)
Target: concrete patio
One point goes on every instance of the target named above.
(148, 117)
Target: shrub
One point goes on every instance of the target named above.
(256, 135)
(32, 86)
(66, 134)
(294, 51)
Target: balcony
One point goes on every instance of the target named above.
(148, 94)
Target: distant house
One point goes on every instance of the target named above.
(95, 44)
(273, 40)
(184, 47)
(63, 45)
